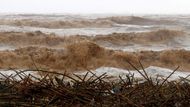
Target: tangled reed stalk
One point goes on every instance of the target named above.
(54, 89)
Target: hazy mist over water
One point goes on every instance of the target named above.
(96, 6)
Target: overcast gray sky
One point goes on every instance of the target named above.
(96, 6)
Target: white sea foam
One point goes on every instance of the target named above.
(75, 31)
(151, 71)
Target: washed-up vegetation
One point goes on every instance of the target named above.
(61, 89)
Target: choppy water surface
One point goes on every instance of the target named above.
(118, 25)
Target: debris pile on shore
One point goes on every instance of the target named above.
(56, 89)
